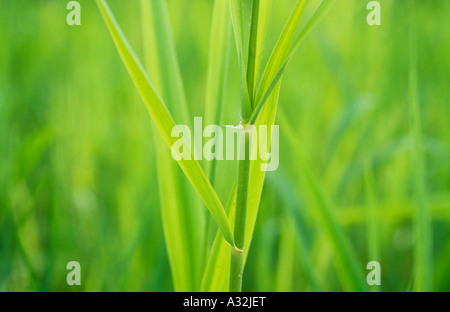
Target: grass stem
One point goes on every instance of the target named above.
(237, 253)
(251, 73)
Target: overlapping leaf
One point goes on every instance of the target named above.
(165, 123)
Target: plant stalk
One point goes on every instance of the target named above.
(251, 73)
(237, 253)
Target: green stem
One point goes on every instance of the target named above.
(237, 253)
(248, 79)
(236, 270)
(252, 51)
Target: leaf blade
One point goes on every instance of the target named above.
(323, 8)
(182, 227)
(165, 123)
(263, 22)
(217, 62)
(238, 29)
(216, 277)
(281, 48)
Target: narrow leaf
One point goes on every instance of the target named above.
(217, 271)
(263, 94)
(165, 123)
(182, 227)
(281, 48)
(218, 62)
(217, 70)
(263, 21)
(251, 67)
(216, 276)
(238, 28)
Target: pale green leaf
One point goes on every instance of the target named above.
(159, 44)
(281, 49)
(181, 230)
(238, 28)
(218, 62)
(275, 74)
(263, 22)
(165, 123)
(182, 227)
(251, 63)
(217, 272)
(216, 276)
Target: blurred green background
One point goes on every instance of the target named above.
(77, 156)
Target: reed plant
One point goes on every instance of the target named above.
(162, 90)
(363, 175)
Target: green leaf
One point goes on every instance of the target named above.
(257, 175)
(273, 76)
(217, 71)
(165, 123)
(218, 62)
(217, 274)
(281, 49)
(182, 230)
(251, 64)
(159, 45)
(263, 21)
(238, 28)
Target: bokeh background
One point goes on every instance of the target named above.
(77, 153)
